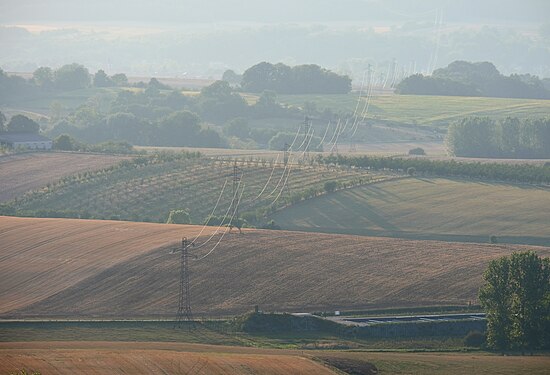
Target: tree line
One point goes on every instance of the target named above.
(300, 79)
(506, 138)
(492, 171)
(462, 78)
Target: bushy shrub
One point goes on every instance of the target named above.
(417, 151)
(330, 186)
(179, 217)
(474, 339)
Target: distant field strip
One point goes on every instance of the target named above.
(181, 358)
(123, 358)
(23, 172)
(435, 208)
(425, 109)
(86, 268)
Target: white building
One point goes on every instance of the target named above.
(29, 141)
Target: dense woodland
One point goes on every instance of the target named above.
(155, 115)
(507, 138)
(300, 79)
(462, 78)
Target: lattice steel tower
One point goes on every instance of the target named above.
(184, 305)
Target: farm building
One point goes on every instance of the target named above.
(26, 140)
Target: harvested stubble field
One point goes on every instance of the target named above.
(177, 358)
(20, 173)
(42, 257)
(153, 358)
(80, 268)
(429, 208)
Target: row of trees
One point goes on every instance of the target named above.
(507, 138)
(300, 79)
(516, 298)
(68, 77)
(462, 78)
(491, 171)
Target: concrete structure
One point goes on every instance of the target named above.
(29, 141)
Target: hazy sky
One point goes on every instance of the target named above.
(176, 11)
(205, 37)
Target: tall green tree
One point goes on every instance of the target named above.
(495, 297)
(516, 298)
(101, 79)
(72, 77)
(530, 284)
(22, 124)
(2, 122)
(43, 77)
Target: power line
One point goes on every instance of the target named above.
(220, 225)
(211, 214)
(273, 170)
(224, 233)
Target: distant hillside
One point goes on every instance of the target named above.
(423, 110)
(434, 208)
(148, 188)
(77, 268)
(462, 78)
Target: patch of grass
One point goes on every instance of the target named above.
(213, 332)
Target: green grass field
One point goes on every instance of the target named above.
(435, 208)
(209, 332)
(426, 110)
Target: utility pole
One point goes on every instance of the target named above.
(184, 305)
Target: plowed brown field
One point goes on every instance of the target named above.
(129, 358)
(77, 268)
(42, 257)
(23, 172)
